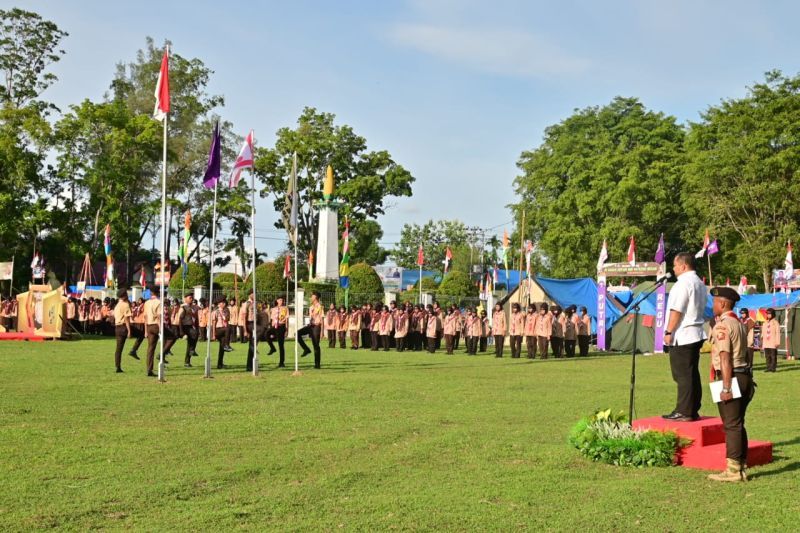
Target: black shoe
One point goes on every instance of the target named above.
(305, 353)
(194, 354)
(271, 352)
(677, 417)
(220, 367)
(151, 375)
(133, 354)
(187, 365)
(119, 371)
(167, 353)
(281, 366)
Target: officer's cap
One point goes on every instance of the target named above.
(725, 292)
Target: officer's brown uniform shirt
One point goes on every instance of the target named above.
(152, 311)
(121, 311)
(730, 336)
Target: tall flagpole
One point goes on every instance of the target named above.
(211, 304)
(297, 319)
(164, 232)
(254, 334)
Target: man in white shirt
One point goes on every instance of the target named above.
(685, 336)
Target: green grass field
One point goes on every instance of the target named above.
(373, 441)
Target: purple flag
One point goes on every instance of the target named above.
(713, 247)
(213, 167)
(660, 252)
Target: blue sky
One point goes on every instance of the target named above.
(454, 90)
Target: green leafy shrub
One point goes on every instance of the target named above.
(609, 438)
(457, 283)
(196, 274)
(269, 279)
(226, 284)
(428, 284)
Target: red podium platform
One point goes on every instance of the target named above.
(14, 336)
(707, 450)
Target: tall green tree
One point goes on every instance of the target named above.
(29, 45)
(364, 179)
(435, 237)
(603, 173)
(364, 243)
(742, 180)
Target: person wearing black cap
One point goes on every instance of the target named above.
(122, 325)
(730, 360)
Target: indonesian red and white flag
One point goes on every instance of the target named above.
(162, 89)
(788, 264)
(448, 258)
(243, 161)
(632, 252)
(601, 260)
(287, 269)
(142, 278)
(742, 289)
(420, 257)
(706, 242)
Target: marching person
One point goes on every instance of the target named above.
(279, 318)
(138, 327)
(584, 332)
(122, 325)
(771, 340)
(544, 329)
(220, 329)
(498, 329)
(530, 331)
(730, 360)
(516, 330)
(313, 329)
(187, 322)
(685, 336)
(152, 320)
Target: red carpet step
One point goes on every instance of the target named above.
(707, 451)
(14, 336)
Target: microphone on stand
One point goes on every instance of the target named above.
(664, 278)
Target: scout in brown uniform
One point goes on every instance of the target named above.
(354, 327)
(485, 330)
(122, 326)
(342, 326)
(152, 318)
(431, 330)
(750, 325)
(331, 324)
(385, 327)
(313, 329)
(375, 327)
(557, 335)
(187, 322)
(242, 322)
(530, 331)
(771, 340)
(137, 326)
(730, 360)
(220, 329)
(570, 330)
(584, 332)
(498, 329)
(477, 332)
(401, 325)
(366, 317)
(279, 318)
(544, 329)
(516, 330)
(450, 322)
(233, 324)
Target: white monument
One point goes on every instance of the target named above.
(327, 267)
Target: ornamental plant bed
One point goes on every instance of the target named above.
(609, 438)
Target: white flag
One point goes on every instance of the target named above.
(603, 256)
(243, 161)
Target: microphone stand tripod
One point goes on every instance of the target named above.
(635, 308)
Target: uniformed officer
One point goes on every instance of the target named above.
(516, 329)
(530, 331)
(544, 329)
(498, 329)
(122, 325)
(187, 320)
(279, 318)
(584, 332)
(313, 329)
(730, 361)
(152, 320)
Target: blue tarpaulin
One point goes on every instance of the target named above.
(581, 292)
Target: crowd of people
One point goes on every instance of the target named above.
(539, 330)
(8, 313)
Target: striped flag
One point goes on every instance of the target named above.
(344, 266)
(448, 258)
(632, 252)
(243, 160)
(788, 263)
(162, 89)
(142, 277)
(287, 268)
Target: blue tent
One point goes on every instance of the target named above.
(764, 301)
(411, 276)
(579, 292)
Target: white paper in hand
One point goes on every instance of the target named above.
(716, 389)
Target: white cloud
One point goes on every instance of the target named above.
(496, 50)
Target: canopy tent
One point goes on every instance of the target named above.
(410, 276)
